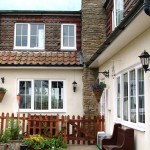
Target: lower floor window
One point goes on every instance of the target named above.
(41, 94)
(130, 96)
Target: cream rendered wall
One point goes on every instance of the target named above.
(124, 59)
(74, 104)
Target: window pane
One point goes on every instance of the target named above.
(125, 102)
(41, 95)
(37, 36)
(18, 40)
(141, 100)
(33, 41)
(21, 34)
(71, 30)
(24, 29)
(57, 95)
(132, 96)
(65, 30)
(71, 41)
(65, 41)
(33, 29)
(25, 93)
(18, 29)
(24, 41)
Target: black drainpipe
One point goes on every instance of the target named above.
(146, 6)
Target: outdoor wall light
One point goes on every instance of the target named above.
(145, 60)
(105, 73)
(3, 79)
(74, 86)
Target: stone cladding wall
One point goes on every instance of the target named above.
(93, 35)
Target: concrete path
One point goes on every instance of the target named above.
(82, 147)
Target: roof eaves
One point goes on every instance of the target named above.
(39, 12)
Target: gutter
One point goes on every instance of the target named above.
(146, 6)
(125, 22)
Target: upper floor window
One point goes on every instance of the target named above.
(68, 36)
(117, 14)
(42, 95)
(29, 36)
(130, 96)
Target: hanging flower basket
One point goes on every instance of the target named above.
(2, 93)
(98, 89)
(98, 93)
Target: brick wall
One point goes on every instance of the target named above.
(52, 29)
(93, 35)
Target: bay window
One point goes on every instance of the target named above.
(41, 95)
(130, 96)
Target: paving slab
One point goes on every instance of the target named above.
(82, 147)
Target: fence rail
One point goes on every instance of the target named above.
(74, 129)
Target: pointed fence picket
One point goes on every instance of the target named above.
(75, 130)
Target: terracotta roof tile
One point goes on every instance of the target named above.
(51, 58)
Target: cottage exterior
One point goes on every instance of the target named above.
(126, 99)
(40, 58)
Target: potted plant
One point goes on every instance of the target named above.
(2, 93)
(98, 89)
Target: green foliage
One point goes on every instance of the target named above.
(37, 141)
(100, 85)
(12, 132)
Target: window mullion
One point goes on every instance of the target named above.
(28, 41)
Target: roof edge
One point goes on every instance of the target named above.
(125, 22)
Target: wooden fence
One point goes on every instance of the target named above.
(73, 129)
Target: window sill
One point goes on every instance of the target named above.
(33, 49)
(42, 111)
(131, 125)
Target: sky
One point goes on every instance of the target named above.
(62, 5)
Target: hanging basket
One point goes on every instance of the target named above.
(98, 94)
(2, 93)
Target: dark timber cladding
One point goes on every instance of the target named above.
(52, 21)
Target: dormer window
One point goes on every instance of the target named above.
(117, 13)
(29, 36)
(68, 36)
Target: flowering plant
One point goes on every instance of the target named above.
(100, 85)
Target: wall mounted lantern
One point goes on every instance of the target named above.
(105, 73)
(3, 79)
(145, 60)
(74, 86)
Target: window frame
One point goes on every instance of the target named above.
(49, 99)
(75, 42)
(114, 16)
(28, 37)
(137, 125)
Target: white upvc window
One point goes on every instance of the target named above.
(130, 98)
(42, 95)
(29, 36)
(68, 36)
(117, 13)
